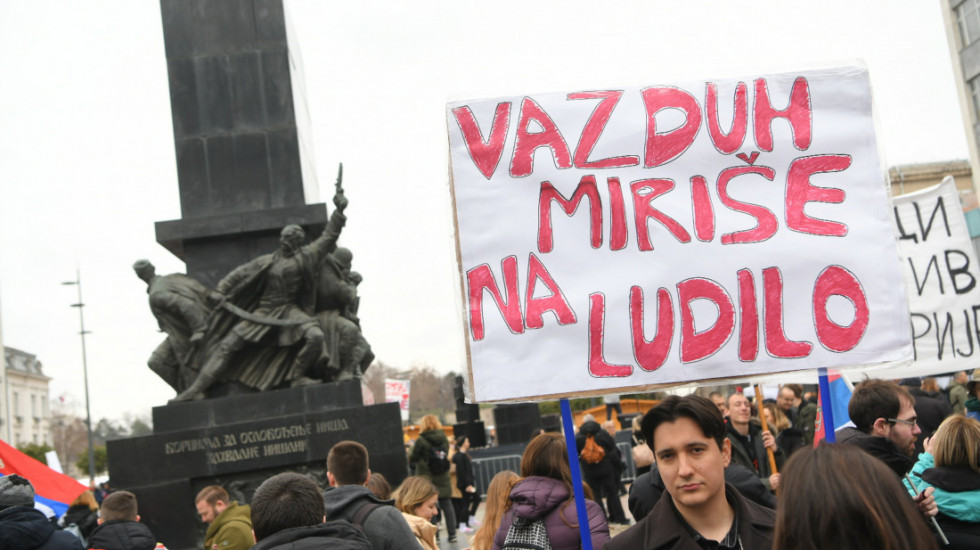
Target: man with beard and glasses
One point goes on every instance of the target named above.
(885, 426)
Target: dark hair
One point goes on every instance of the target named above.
(378, 485)
(703, 412)
(874, 399)
(119, 505)
(348, 462)
(284, 501)
(212, 494)
(547, 456)
(843, 498)
(795, 388)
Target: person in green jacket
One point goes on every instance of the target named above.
(230, 523)
(431, 452)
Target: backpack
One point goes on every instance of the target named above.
(592, 452)
(527, 534)
(77, 531)
(438, 460)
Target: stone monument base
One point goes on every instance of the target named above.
(240, 441)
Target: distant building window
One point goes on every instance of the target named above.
(34, 407)
(16, 404)
(968, 18)
(975, 98)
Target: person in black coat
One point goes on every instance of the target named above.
(602, 476)
(119, 525)
(931, 408)
(24, 528)
(649, 487)
(466, 483)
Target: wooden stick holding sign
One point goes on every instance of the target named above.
(765, 427)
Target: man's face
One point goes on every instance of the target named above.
(786, 399)
(291, 239)
(901, 434)
(210, 511)
(691, 464)
(739, 410)
(719, 402)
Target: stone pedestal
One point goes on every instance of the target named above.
(238, 442)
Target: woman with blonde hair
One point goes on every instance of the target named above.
(951, 464)
(546, 494)
(498, 502)
(83, 513)
(430, 455)
(416, 498)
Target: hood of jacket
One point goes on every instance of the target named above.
(22, 528)
(436, 438)
(955, 479)
(336, 499)
(122, 535)
(535, 496)
(879, 447)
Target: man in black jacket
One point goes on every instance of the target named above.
(348, 498)
(24, 528)
(602, 476)
(119, 526)
(698, 509)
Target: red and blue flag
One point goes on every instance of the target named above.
(52, 489)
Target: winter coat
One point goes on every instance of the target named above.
(81, 515)
(338, 535)
(661, 529)
(957, 398)
(972, 406)
(957, 496)
(609, 465)
(232, 529)
(424, 531)
(24, 528)
(420, 455)
(647, 489)
(464, 471)
(741, 456)
(879, 447)
(931, 409)
(120, 534)
(384, 526)
(546, 498)
(957, 488)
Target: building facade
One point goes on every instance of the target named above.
(26, 406)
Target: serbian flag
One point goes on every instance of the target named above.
(51, 489)
(839, 389)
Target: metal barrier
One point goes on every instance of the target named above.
(489, 461)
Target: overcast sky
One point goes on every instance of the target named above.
(87, 157)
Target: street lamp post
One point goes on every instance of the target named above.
(88, 411)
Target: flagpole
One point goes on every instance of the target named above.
(583, 518)
(826, 406)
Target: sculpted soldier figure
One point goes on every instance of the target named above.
(348, 353)
(273, 298)
(179, 304)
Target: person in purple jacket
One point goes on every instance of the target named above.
(546, 492)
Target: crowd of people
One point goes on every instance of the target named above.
(719, 479)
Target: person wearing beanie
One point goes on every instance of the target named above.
(24, 528)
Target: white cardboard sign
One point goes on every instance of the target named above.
(941, 278)
(621, 238)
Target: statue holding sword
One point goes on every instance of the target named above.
(272, 301)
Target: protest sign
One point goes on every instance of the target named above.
(632, 237)
(396, 391)
(940, 266)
